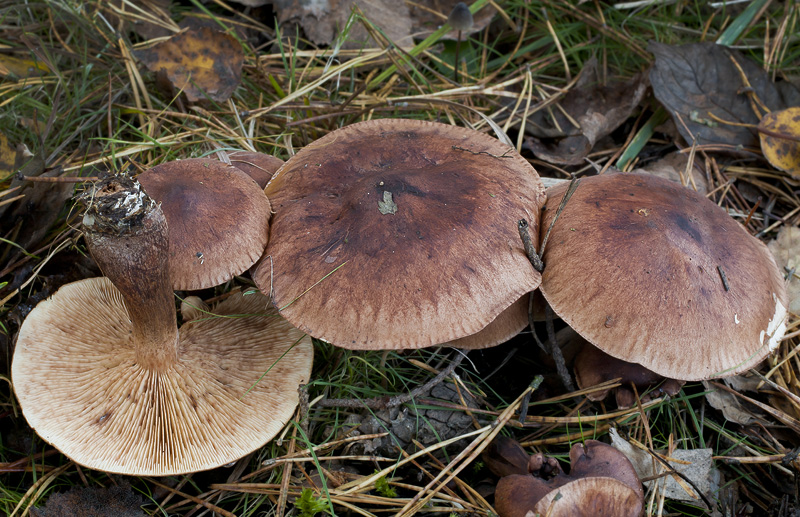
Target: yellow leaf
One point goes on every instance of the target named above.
(22, 68)
(780, 139)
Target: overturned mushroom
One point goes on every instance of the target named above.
(104, 374)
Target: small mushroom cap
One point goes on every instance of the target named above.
(218, 219)
(635, 263)
(258, 166)
(591, 497)
(460, 17)
(231, 390)
(399, 234)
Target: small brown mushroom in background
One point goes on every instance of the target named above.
(654, 273)
(103, 373)
(218, 219)
(258, 166)
(592, 366)
(601, 482)
(415, 221)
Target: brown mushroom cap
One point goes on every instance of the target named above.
(602, 481)
(258, 166)
(635, 264)
(399, 234)
(506, 325)
(80, 387)
(218, 219)
(593, 366)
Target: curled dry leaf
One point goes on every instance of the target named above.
(694, 464)
(701, 85)
(596, 108)
(786, 249)
(674, 168)
(324, 20)
(203, 63)
(779, 132)
(729, 404)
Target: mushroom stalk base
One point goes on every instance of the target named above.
(127, 236)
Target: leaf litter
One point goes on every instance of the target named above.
(716, 95)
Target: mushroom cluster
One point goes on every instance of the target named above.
(601, 481)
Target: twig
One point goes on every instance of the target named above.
(396, 400)
(530, 249)
(555, 352)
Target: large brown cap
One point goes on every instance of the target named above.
(399, 234)
(218, 219)
(80, 388)
(654, 273)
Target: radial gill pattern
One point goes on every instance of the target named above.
(233, 388)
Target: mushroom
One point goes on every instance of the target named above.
(218, 218)
(104, 374)
(593, 366)
(654, 273)
(602, 481)
(460, 19)
(396, 233)
(258, 166)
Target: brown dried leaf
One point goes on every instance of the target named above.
(731, 408)
(700, 81)
(203, 63)
(114, 501)
(786, 249)
(782, 153)
(598, 109)
(323, 20)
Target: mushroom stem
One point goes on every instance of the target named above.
(127, 236)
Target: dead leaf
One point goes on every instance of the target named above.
(20, 68)
(786, 250)
(597, 109)
(673, 168)
(782, 153)
(428, 15)
(114, 501)
(729, 404)
(699, 85)
(323, 20)
(695, 464)
(204, 63)
(8, 158)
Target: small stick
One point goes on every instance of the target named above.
(555, 352)
(58, 179)
(530, 249)
(724, 278)
(573, 185)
